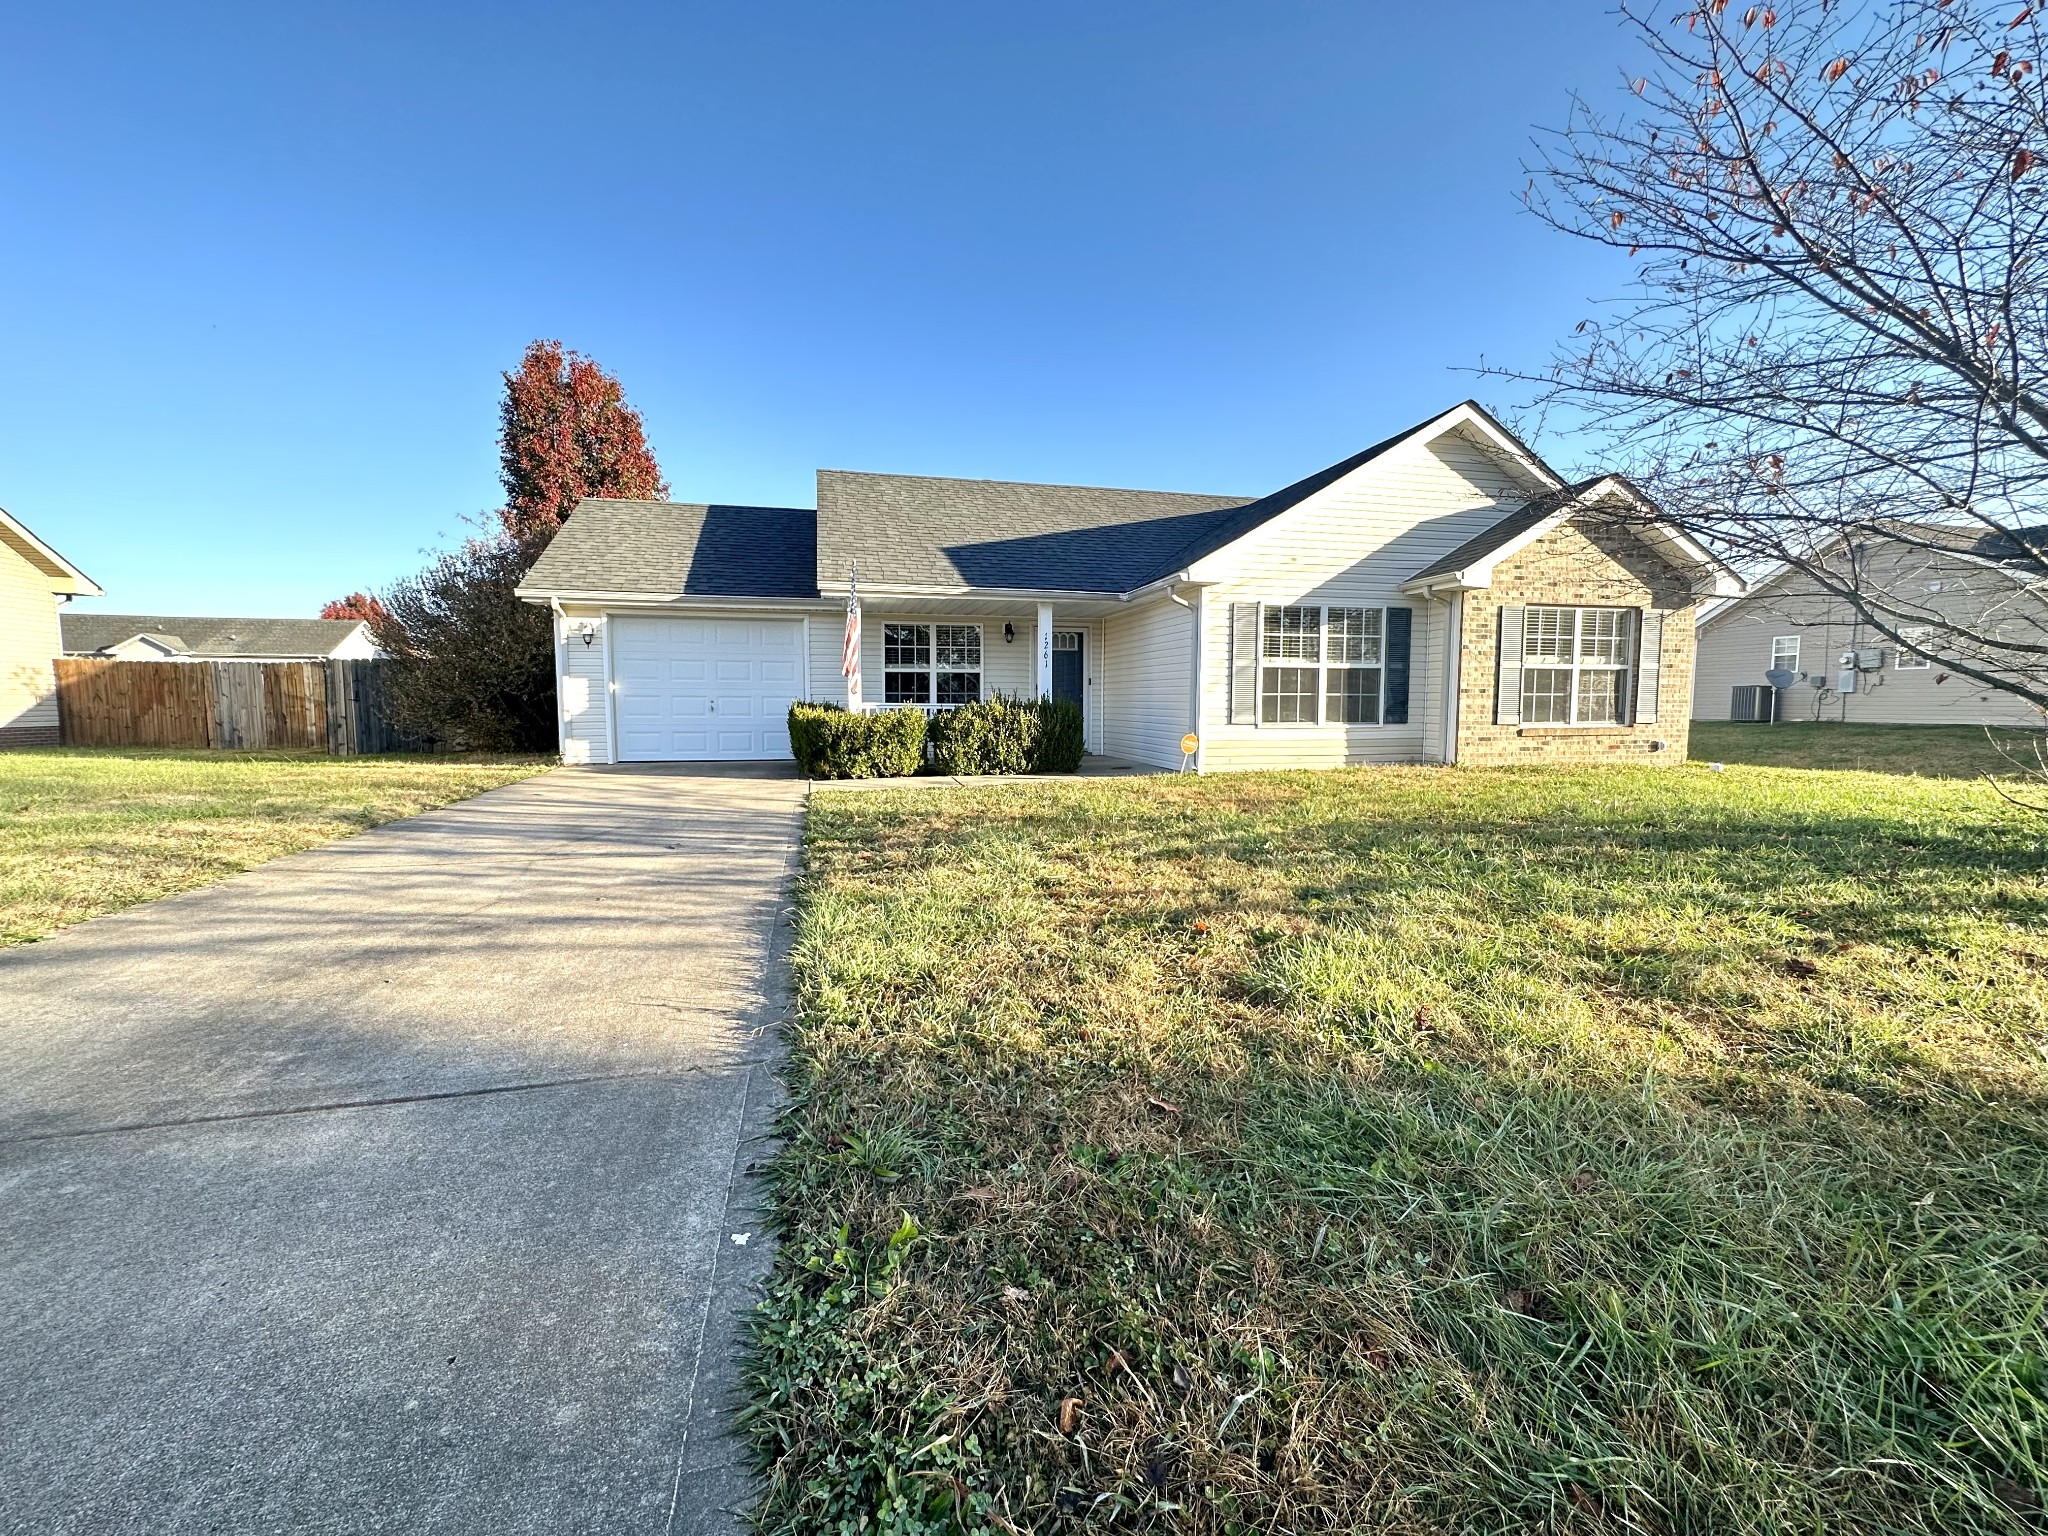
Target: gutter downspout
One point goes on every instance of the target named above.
(561, 681)
(1195, 703)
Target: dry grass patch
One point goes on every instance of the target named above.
(84, 832)
(1413, 1151)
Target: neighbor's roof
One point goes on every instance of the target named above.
(669, 547)
(64, 576)
(85, 633)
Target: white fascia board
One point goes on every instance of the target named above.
(81, 585)
(548, 595)
(1002, 594)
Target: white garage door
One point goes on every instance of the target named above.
(692, 690)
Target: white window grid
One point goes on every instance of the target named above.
(932, 666)
(1321, 665)
(1785, 653)
(1910, 661)
(1575, 665)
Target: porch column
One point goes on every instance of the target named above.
(1045, 650)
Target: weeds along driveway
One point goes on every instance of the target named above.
(386, 1187)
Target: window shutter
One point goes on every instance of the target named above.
(1507, 680)
(1649, 656)
(1400, 630)
(1244, 663)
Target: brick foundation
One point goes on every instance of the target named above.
(1581, 564)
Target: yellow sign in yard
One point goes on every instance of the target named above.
(1188, 743)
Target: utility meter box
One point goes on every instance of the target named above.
(1871, 659)
(1846, 683)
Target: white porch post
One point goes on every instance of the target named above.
(1045, 650)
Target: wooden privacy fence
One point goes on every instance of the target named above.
(342, 707)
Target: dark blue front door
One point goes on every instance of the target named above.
(1066, 665)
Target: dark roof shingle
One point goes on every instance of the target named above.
(929, 531)
(670, 547)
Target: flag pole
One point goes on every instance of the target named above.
(849, 657)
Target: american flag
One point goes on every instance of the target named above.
(849, 656)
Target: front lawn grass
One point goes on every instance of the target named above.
(1412, 1150)
(1933, 751)
(87, 831)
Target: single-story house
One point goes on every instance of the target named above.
(162, 637)
(34, 582)
(1443, 596)
(1846, 668)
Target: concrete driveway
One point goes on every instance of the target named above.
(392, 1186)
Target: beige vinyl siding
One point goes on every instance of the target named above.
(1354, 543)
(29, 640)
(1145, 676)
(1006, 667)
(828, 639)
(1735, 650)
(584, 691)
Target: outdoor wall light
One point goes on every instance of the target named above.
(1009, 634)
(586, 632)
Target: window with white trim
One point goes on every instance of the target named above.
(1912, 661)
(1321, 665)
(1575, 665)
(1784, 653)
(931, 664)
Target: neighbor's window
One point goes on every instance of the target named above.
(1785, 653)
(1321, 665)
(931, 664)
(1910, 661)
(1575, 665)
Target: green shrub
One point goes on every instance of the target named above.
(1008, 735)
(1061, 737)
(998, 735)
(831, 743)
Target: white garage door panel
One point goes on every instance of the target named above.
(696, 690)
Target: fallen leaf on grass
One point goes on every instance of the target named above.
(1163, 1107)
(1015, 1293)
(1070, 1415)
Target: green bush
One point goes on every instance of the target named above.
(1061, 737)
(831, 743)
(1007, 735)
(998, 735)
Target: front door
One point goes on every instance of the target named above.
(1067, 671)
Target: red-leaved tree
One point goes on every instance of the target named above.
(567, 433)
(357, 605)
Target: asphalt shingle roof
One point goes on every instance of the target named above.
(926, 531)
(915, 531)
(85, 633)
(668, 547)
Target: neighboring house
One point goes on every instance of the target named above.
(162, 637)
(34, 581)
(1441, 597)
(1847, 669)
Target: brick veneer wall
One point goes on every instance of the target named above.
(12, 736)
(1590, 564)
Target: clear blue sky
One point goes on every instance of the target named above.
(262, 263)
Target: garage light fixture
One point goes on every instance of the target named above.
(1009, 634)
(585, 631)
